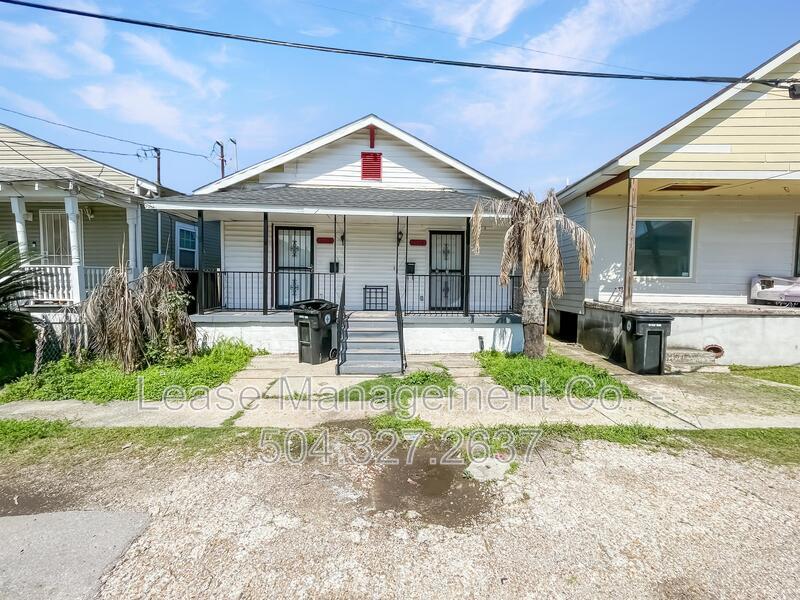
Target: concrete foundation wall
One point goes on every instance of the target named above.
(419, 338)
(752, 340)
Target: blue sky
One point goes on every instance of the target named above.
(528, 131)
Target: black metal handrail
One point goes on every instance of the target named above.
(446, 294)
(245, 290)
(398, 313)
(341, 330)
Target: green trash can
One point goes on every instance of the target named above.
(315, 321)
(645, 342)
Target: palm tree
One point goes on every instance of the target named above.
(531, 249)
(16, 287)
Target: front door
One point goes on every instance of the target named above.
(294, 265)
(447, 270)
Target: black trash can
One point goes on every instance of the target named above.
(315, 321)
(645, 342)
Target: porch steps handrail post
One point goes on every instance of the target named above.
(76, 266)
(398, 312)
(341, 330)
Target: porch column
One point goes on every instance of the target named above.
(73, 228)
(132, 216)
(467, 237)
(18, 208)
(201, 288)
(265, 278)
(630, 244)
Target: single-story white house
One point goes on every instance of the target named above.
(369, 217)
(684, 220)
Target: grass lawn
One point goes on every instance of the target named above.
(29, 441)
(386, 387)
(790, 375)
(103, 381)
(515, 371)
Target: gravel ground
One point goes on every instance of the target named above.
(579, 521)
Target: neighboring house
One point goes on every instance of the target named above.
(700, 207)
(367, 214)
(76, 216)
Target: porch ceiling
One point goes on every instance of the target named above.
(721, 188)
(313, 200)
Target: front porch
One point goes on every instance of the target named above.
(72, 227)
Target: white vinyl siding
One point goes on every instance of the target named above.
(370, 256)
(735, 239)
(403, 167)
(574, 288)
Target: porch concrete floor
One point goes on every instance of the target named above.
(277, 391)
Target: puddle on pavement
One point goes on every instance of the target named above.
(16, 500)
(439, 493)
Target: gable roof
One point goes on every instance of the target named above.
(74, 162)
(341, 132)
(630, 157)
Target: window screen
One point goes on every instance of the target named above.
(663, 248)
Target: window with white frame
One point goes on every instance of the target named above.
(186, 246)
(663, 248)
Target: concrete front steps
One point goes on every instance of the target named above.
(373, 344)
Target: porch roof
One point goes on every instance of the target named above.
(57, 174)
(329, 200)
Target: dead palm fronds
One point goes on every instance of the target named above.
(532, 248)
(127, 321)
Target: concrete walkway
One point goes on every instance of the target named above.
(277, 391)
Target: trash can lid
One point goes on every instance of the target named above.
(650, 318)
(315, 305)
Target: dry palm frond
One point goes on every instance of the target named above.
(124, 318)
(532, 243)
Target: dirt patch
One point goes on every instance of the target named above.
(21, 499)
(439, 493)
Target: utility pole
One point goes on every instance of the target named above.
(157, 153)
(221, 158)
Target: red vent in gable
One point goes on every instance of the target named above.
(371, 165)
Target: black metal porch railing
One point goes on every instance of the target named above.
(437, 293)
(444, 293)
(244, 290)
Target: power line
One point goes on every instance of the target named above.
(102, 135)
(49, 145)
(470, 37)
(396, 57)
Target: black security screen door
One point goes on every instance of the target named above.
(447, 270)
(294, 264)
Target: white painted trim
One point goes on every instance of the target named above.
(225, 207)
(337, 134)
(197, 241)
(756, 176)
(692, 252)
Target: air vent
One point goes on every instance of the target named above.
(371, 165)
(688, 187)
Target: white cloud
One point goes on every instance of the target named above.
(149, 51)
(134, 100)
(27, 105)
(475, 18)
(28, 47)
(221, 57)
(90, 36)
(320, 31)
(594, 30)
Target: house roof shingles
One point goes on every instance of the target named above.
(352, 198)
